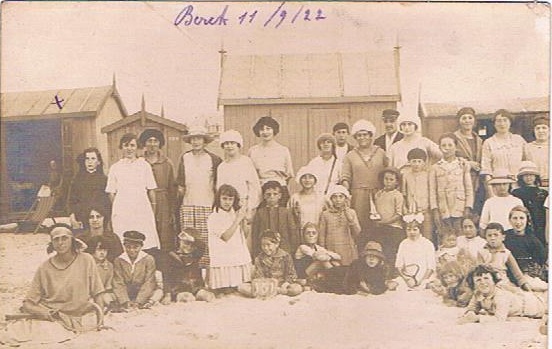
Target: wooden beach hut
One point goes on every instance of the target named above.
(138, 122)
(40, 126)
(307, 94)
(439, 118)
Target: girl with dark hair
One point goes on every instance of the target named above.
(131, 185)
(87, 187)
(97, 227)
(230, 262)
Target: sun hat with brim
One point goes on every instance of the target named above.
(338, 189)
(528, 167)
(231, 136)
(197, 131)
(501, 176)
(304, 171)
(363, 125)
(373, 248)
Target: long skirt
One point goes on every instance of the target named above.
(196, 217)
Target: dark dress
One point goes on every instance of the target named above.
(112, 244)
(165, 197)
(183, 273)
(374, 277)
(88, 189)
(528, 251)
(533, 198)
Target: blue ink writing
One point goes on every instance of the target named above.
(244, 16)
(297, 14)
(187, 17)
(58, 102)
(274, 14)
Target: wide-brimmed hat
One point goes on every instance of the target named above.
(303, 171)
(231, 136)
(373, 248)
(198, 131)
(528, 167)
(147, 134)
(363, 125)
(501, 176)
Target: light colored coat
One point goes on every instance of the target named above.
(450, 187)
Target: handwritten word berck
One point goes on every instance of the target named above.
(188, 17)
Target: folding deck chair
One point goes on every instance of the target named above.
(40, 210)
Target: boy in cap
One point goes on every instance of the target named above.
(369, 273)
(342, 147)
(134, 273)
(392, 134)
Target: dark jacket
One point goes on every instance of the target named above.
(380, 141)
(374, 277)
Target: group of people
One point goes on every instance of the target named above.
(389, 213)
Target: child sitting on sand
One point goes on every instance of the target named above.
(451, 285)
(184, 280)
(500, 258)
(134, 280)
(275, 263)
(311, 257)
(416, 256)
(98, 246)
(369, 274)
(492, 303)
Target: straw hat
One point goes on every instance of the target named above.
(528, 167)
(197, 131)
(501, 176)
(231, 136)
(373, 248)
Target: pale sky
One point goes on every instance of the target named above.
(457, 52)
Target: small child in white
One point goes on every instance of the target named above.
(469, 241)
(416, 255)
(311, 257)
(449, 250)
(497, 208)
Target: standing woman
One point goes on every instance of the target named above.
(360, 171)
(238, 171)
(271, 159)
(326, 166)
(538, 151)
(87, 188)
(503, 149)
(197, 173)
(470, 147)
(165, 193)
(130, 186)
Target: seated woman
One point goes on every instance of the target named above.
(97, 226)
(65, 288)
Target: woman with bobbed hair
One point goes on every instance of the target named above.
(131, 185)
(503, 149)
(271, 159)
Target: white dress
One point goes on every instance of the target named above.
(241, 174)
(130, 181)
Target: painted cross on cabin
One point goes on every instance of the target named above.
(58, 102)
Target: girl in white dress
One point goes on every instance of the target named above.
(130, 185)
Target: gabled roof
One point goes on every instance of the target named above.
(310, 78)
(77, 102)
(147, 116)
(518, 105)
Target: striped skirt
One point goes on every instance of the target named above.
(233, 276)
(196, 217)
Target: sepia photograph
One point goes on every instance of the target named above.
(273, 174)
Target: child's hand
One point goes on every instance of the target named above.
(411, 282)
(526, 287)
(242, 213)
(349, 215)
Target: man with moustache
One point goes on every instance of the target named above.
(391, 135)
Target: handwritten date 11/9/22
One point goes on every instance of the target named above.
(188, 17)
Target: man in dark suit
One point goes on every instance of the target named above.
(341, 133)
(391, 135)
